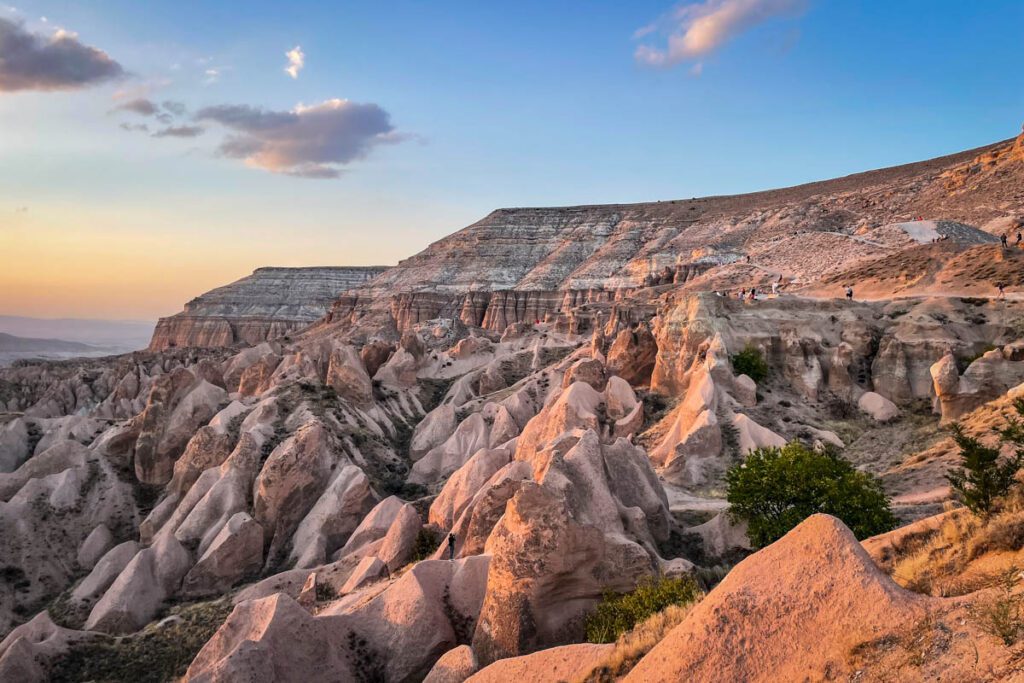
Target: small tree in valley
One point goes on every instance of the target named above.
(983, 476)
(774, 489)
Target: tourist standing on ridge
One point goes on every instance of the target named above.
(849, 293)
(451, 546)
(1002, 294)
(1002, 238)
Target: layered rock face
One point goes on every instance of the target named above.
(265, 305)
(522, 265)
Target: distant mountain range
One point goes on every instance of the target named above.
(120, 335)
(60, 338)
(8, 342)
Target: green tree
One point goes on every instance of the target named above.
(774, 489)
(983, 476)
(750, 362)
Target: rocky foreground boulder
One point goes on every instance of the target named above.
(814, 606)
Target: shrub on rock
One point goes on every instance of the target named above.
(750, 362)
(619, 613)
(774, 489)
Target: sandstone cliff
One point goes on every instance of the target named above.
(525, 264)
(265, 305)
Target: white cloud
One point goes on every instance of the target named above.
(697, 29)
(296, 60)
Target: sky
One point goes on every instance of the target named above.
(150, 151)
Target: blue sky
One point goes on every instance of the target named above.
(492, 104)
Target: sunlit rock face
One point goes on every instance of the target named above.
(265, 305)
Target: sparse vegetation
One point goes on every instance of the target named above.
(367, 663)
(161, 652)
(620, 613)
(632, 645)
(750, 362)
(925, 640)
(427, 541)
(325, 592)
(774, 489)
(984, 477)
(962, 554)
(1001, 614)
(656, 406)
(462, 624)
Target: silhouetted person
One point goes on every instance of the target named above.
(451, 546)
(1018, 239)
(1000, 286)
(1002, 238)
(849, 293)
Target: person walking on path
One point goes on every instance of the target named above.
(451, 546)
(1002, 293)
(1002, 238)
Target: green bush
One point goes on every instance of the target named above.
(774, 489)
(983, 477)
(750, 362)
(618, 613)
(427, 541)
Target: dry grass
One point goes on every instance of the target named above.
(965, 554)
(632, 646)
(920, 643)
(1000, 614)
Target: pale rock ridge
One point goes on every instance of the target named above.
(267, 304)
(398, 629)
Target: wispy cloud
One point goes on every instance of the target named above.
(296, 60)
(140, 106)
(175, 108)
(308, 141)
(697, 29)
(32, 61)
(179, 132)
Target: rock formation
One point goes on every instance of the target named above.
(267, 304)
(563, 406)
